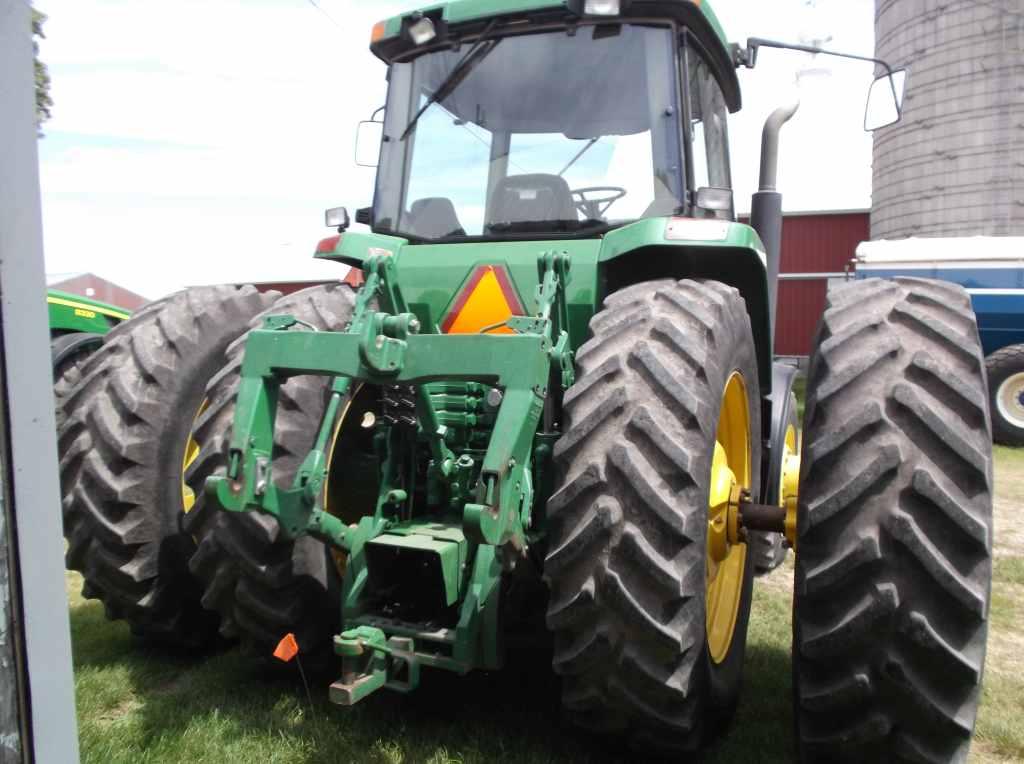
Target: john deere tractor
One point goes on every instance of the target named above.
(77, 327)
(552, 411)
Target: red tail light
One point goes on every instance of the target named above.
(328, 245)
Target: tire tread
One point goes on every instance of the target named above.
(626, 558)
(895, 528)
(114, 412)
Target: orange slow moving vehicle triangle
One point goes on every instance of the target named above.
(488, 298)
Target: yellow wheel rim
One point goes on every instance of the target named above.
(789, 451)
(789, 481)
(340, 499)
(726, 556)
(188, 497)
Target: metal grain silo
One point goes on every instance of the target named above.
(954, 166)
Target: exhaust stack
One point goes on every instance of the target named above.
(766, 204)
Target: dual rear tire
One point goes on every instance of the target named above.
(894, 534)
(143, 422)
(649, 606)
(894, 528)
(125, 418)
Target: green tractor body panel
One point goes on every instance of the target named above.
(433, 275)
(72, 313)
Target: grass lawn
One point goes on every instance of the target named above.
(141, 705)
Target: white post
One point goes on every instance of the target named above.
(38, 724)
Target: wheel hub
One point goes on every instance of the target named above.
(724, 529)
(790, 483)
(1010, 399)
(726, 547)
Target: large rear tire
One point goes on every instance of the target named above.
(122, 440)
(894, 547)
(263, 585)
(628, 564)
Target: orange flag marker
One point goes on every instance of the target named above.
(287, 648)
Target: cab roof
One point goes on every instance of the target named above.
(465, 18)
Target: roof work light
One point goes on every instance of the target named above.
(422, 30)
(601, 7)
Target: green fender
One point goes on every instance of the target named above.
(701, 249)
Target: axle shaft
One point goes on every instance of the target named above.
(762, 517)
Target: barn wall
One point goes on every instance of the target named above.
(102, 290)
(812, 243)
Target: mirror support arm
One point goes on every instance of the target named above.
(748, 57)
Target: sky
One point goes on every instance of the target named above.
(199, 141)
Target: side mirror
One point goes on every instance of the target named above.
(885, 100)
(369, 136)
(715, 200)
(336, 217)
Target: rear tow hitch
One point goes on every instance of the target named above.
(369, 661)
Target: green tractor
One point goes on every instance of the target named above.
(77, 327)
(552, 412)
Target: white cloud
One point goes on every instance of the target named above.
(196, 141)
(200, 141)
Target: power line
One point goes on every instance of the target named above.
(325, 13)
(487, 143)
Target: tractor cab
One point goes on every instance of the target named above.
(561, 130)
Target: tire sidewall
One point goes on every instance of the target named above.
(184, 402)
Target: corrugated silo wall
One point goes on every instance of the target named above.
(954, 166)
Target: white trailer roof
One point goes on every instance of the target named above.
(963, 248)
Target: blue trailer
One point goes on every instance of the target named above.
(991, 269)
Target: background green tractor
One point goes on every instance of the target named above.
(77, 327)
(551, 415)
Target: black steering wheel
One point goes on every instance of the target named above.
(595, 208)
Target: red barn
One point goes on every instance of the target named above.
(816, 249)
(97, 288)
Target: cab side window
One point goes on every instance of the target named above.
(708, 135)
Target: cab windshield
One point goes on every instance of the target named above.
(550, 133)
